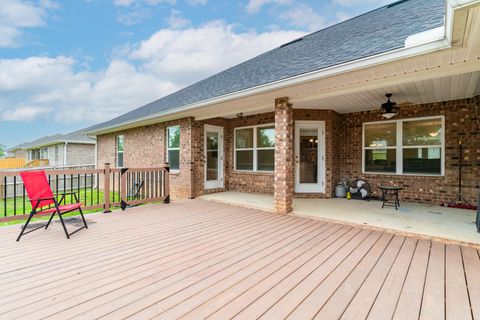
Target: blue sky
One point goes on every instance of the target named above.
(65, 65)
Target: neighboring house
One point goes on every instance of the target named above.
(17, 152)
(70, 149)
(295, 121)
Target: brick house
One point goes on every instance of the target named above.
(295, 121)
(69, 149)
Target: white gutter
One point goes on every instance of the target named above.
(426, 42)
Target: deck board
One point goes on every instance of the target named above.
(198, 259)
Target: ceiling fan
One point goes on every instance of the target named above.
(389, 109)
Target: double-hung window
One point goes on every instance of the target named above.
(120, 142)
(173, 147)
(255, 148)
(406, 146)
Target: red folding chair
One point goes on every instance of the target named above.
(43, 201)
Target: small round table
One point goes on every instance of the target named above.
(385, 190)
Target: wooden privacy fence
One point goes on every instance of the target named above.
(12, 163)
(96, 188)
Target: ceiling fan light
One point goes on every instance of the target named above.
(388, 115)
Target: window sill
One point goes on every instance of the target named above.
(405, 174)
(175, 172)
(253, 172)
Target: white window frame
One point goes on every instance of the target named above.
(117, 152)
(399, 146)
(254, 149)
(168, 148)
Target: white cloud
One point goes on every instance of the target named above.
(184, 56)
(303, 16)
(352, 3)
(22, 114)
(134, 16)
(253, 6)
(197, 2)
(176, 20)
(52, 87)
(17, 15)
(126, 3)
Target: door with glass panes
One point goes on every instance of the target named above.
(310, 156)
(213, 146)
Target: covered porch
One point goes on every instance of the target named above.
(415, 219)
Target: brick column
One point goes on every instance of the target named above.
(283, 184)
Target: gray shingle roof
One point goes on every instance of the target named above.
(79, 136)
(381, 30)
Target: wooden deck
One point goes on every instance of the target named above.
(198, 259)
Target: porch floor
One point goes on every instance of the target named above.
(200, 259)
(433, 222)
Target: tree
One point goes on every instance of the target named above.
(2, 150)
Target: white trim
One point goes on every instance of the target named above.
(220, 182)
(117, 152)
(167, 148)
(318, 187)
(254, 149)
(399, 146)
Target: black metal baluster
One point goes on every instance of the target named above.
(23, 196)
(71, 188)
(98, 188)
(14, 195)
(91, 189)
(78, 187)
(128, 186)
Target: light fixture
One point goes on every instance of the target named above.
(388, 108)
(434, 134)
(240, 115)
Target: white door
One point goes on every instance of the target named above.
(213, 157)
(309, 156)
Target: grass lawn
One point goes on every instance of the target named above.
(16, 206)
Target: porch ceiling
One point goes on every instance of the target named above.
(424, 91)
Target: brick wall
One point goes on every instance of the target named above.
(252, 182)
(145, 147)
(461, 123)
(77, 154)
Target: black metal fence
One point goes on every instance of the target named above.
(96, 188)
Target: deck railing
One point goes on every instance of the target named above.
(96, 188)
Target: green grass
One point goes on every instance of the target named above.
(87, 198)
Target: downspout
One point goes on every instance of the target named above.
(65, 153)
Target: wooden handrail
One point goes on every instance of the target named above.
(114, 189)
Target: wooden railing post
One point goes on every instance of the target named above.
(106, 188)
(166, 184)
(123, 188)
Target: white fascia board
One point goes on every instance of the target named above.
(425, 46)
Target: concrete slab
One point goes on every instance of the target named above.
(423, 220)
